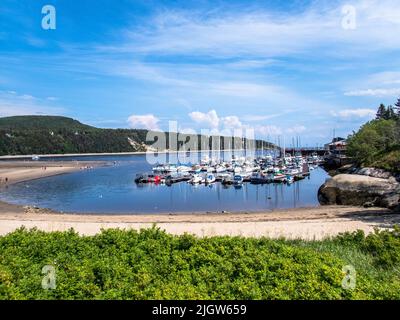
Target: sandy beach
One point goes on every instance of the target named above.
(19, 171)
(305, 223)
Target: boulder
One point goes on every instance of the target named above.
(360, 190)
(373, 172)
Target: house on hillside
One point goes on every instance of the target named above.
(336, 152)
(337, 146)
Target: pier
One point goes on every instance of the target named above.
(306, 151)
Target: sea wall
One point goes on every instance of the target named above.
(366, 187)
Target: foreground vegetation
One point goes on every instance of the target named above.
(151, 264)
(377, 143)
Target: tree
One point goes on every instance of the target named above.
(391, 113)
(387, 113)
(381, 112)
(376, 144)
(397, 104)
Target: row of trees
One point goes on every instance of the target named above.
(389, 112)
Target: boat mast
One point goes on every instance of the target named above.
(284, 150)
(262, 148)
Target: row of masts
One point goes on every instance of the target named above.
(295, 146)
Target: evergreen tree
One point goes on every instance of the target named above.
(381, 112)
(387, 113)
(390, 113)
(397, 107)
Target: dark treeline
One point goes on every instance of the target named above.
(23, 135)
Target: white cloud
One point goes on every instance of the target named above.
(12, 104)
(259, 33)
(354, 113)
(374, 92)
(146, 121)
(252, 63)
(184, 130)
(296, 129)
(209, 119)
(268, 130)
(27, 97)
(254, 118)
(231, 122)
(241, 89)
(385, 78)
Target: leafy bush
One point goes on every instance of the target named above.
(382, 245)
(151, 264)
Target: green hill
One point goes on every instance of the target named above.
(41, 123)
(58, 135)
(25, 135)
(377, 143)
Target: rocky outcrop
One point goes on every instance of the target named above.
(371, 172)
(361, 190)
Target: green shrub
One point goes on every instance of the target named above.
(152, 264)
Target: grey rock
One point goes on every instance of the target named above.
(360, 190)
(376, 173)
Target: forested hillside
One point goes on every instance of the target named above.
(377, 143)
(25, 135)
(57, 135)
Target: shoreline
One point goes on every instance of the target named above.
(21, 171)
(308, 224)
(66, 155)
(305, 223)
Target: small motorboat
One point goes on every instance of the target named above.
(148, 178)
(299, 177)
(279, 178)
(220, 169)
(196, 179)
(292, 171)
(237, 180)
(289, 179)
(259, 178)
(183, 169)
(210, 178)
(227, 180)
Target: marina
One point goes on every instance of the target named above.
(130, 185)
(261, 170)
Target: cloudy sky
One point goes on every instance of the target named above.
(283, 68)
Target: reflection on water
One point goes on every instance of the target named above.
(112, 190)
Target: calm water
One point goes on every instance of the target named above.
(113, 190)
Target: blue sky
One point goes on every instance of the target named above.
(282, 68)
